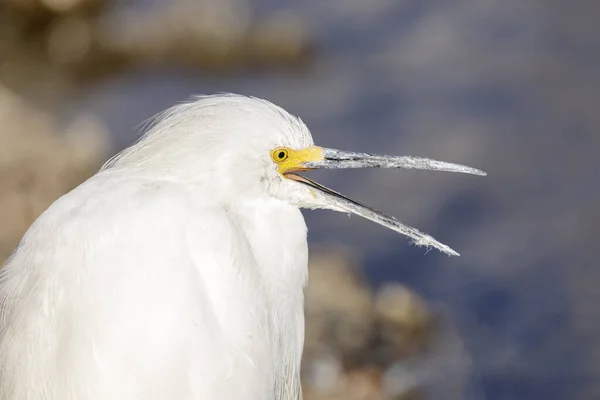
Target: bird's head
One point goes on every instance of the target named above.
(241, 148)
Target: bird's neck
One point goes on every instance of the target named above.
(276, 232)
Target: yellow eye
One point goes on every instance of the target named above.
(280, 155)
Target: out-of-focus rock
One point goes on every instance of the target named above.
(280, 38)
(39, 7)
(69, 40)
(404, 323)
(339, 309)
(75, 41)
(354, 337)
(39, 162)
(221, 35)
(360, 384)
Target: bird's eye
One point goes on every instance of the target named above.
(279, 155)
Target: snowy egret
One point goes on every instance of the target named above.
(177, 271)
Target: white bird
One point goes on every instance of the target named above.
(177, 271)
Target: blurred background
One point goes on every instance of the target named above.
(508, 86)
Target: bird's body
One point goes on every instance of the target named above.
(176, 272)
(136, 323)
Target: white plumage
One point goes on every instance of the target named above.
(177, 271)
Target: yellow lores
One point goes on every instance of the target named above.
(293, 160)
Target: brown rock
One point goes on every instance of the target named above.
(39, 162)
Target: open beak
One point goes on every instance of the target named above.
(316, 157)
